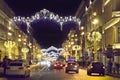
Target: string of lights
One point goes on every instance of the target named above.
(46, 14)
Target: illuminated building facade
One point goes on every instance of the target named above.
(12, 39)
(5, 14)
(101, 16)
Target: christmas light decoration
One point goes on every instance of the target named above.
(45, 14)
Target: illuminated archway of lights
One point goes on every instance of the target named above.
(52, 52)
(46, 14)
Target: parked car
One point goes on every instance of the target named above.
(58, 65)
(72, 66)
(18, 67)
(1, 68)
(96, 67)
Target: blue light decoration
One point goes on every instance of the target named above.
(70, 59)
(46, 14)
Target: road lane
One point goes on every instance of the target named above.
(47, 74)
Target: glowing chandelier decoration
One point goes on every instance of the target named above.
(25, 50)
(94, 36)
(9, 44)
(45, 14)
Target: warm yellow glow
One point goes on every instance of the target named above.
(69, 45)
(9, 28)
(24, 39)
(19, 40)
(116, 46)
(9, 44)
(25, 50)
(76, 35)
(9, 33)
(94, 13)
(106, 2)
(30, 44)
(111, 23)
(95, 21)
(72, 35)
(25, 43)
(72, 42)
(76, 39)
(82, 33)
(38, 56)
(19, 35)
(82, 28)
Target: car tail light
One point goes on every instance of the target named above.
(61, 65)
(55, 65)
(20, 67)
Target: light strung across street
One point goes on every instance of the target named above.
(46, 14)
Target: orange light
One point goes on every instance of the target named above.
(75, 65)
(91, 66)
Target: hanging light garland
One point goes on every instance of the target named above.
(46, 14)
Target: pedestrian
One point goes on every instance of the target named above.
(5, 63)
(110, 66)
(117, 67)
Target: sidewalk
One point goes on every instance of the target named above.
(113, 75)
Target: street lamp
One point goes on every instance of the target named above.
(95, 21)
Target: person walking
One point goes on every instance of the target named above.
(5, 63)
(110, 66)
(117, 67)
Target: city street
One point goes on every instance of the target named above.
(61, 75)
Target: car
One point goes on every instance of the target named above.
(72, 66)
(58, 65)
(96, 67)
(1, 68)
(18, 67)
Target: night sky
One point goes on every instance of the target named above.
(47, 32)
